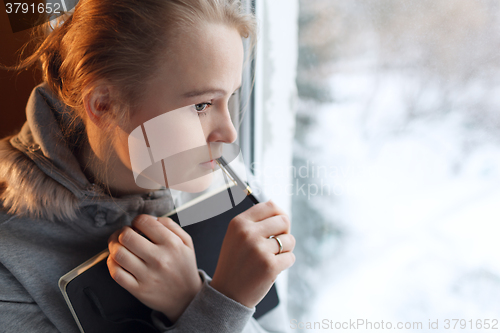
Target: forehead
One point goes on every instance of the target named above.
(206, 57)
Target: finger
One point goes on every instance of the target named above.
(287, 241)
(153, 229)
(113, 239)
(127, 260)
(177, 230)
(275, 225)
(135, 243)
(114, 236)
(121, 276)
(262, 211)
(284, 260)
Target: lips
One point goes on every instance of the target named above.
(208, 165)
(213, 160)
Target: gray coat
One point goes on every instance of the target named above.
(52, 219)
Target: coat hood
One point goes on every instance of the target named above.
(41, 178)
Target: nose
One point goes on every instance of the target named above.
(222, 128)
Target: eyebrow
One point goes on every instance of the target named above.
(196, 93)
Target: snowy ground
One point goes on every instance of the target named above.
(422, 218)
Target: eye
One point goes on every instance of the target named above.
(202, 107)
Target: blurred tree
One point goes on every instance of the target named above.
(446, 49)
(318, 31)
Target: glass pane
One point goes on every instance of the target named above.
(397, 162)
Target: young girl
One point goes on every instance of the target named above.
(67, 189)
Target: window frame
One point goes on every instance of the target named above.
(243, 105)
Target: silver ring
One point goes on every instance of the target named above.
(279, 243)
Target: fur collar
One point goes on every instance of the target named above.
(28, 191)
(41, 178)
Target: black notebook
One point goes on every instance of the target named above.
(99, 304)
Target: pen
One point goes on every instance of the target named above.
(236, 180)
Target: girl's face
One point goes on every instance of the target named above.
(194, 83)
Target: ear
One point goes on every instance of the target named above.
(97, 103)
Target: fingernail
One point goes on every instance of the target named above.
(125, 237)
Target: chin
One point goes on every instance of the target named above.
(195, 185)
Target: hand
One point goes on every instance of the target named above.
(248, 262)
(160, 272)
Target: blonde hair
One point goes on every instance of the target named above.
(119, 43)
(122, 42)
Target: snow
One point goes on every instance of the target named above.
(421, 215)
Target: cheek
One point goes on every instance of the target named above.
(172, 145)
(173, 133)
(120, 146)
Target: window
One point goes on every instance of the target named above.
(398, 139)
